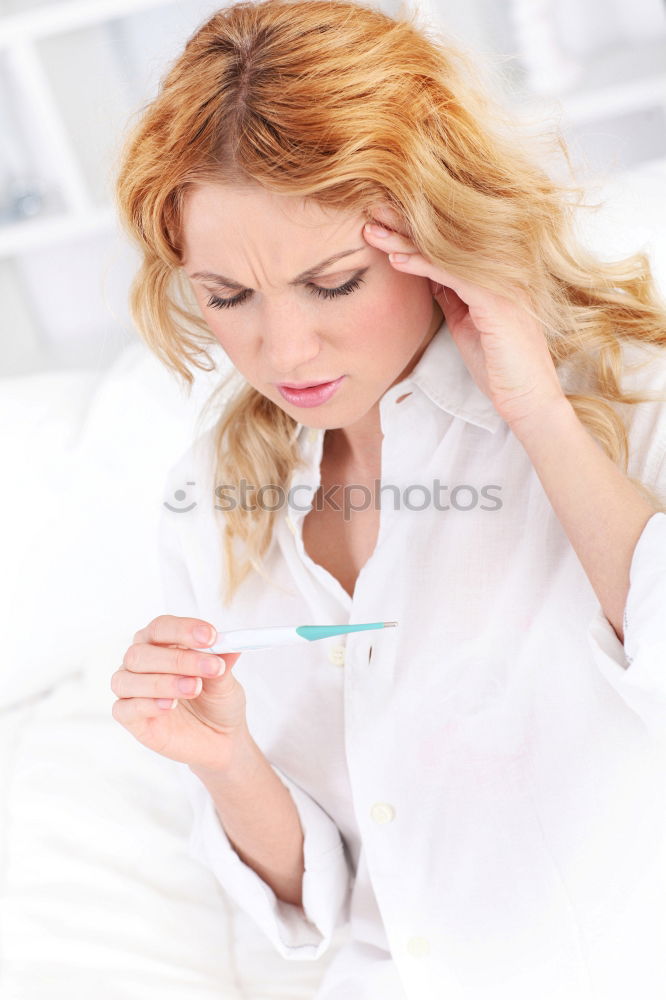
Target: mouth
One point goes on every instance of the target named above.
(313, 394)
(304, 385)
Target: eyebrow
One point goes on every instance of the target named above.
(312, 272)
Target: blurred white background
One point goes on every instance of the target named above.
(98, 893)
(73, 72)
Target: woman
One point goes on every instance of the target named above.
(475, 797)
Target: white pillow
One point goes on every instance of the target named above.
(81, 525)
(101, 897)
(40, 421)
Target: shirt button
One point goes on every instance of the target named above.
(312, 434)
(382, 812)
(418, 947)
(336, 655)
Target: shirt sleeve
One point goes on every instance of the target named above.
(297, 933)
(637, 669)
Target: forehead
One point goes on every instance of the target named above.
(258, 217)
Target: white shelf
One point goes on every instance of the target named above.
(33, 234)
(63, 144)
(68, 16)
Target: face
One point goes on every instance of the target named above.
(357, 319)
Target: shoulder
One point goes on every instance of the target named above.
(195, 458)
(189, 482)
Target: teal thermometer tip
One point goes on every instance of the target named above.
(311, 632)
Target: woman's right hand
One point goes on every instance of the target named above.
(207, 721)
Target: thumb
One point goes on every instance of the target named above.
(230, 659)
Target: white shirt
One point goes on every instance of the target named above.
(481, 789)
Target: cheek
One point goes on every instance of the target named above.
(400, 299)
(224, 324)
(227, 330)
(219, 327)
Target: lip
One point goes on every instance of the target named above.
(313, 395)
(305, 385)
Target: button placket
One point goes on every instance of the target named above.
(382, 812)
(337, 655)
(418, 947)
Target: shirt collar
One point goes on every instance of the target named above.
(444, 377)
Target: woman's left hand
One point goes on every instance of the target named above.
(503, 347)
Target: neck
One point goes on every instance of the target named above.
(357, 447)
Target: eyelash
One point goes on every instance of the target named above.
(325, 293)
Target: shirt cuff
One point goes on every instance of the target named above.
(302, 934)
(637, 669)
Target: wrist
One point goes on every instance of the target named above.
(242, 761)
(545, 423)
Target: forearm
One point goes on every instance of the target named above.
(260, 819)
(601, 511)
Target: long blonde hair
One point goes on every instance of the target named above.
(337, 102)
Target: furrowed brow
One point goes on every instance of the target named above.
(312, 272)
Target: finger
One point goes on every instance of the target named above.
(172, 630)
(415, 263)
(460, 293)
(130, 710)
(145, 658)
(386, 240)
(126, 684)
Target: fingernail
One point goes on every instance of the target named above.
(377, 230)
(189, 685)
(212, 667)
(398, 258)
(208, 666)
(204, 634)
(166, 702)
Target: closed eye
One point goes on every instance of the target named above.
(215, 302)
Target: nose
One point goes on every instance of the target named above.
(291, 343)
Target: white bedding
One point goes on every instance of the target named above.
(99, 896)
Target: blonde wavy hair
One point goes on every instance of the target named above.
(338, 102)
